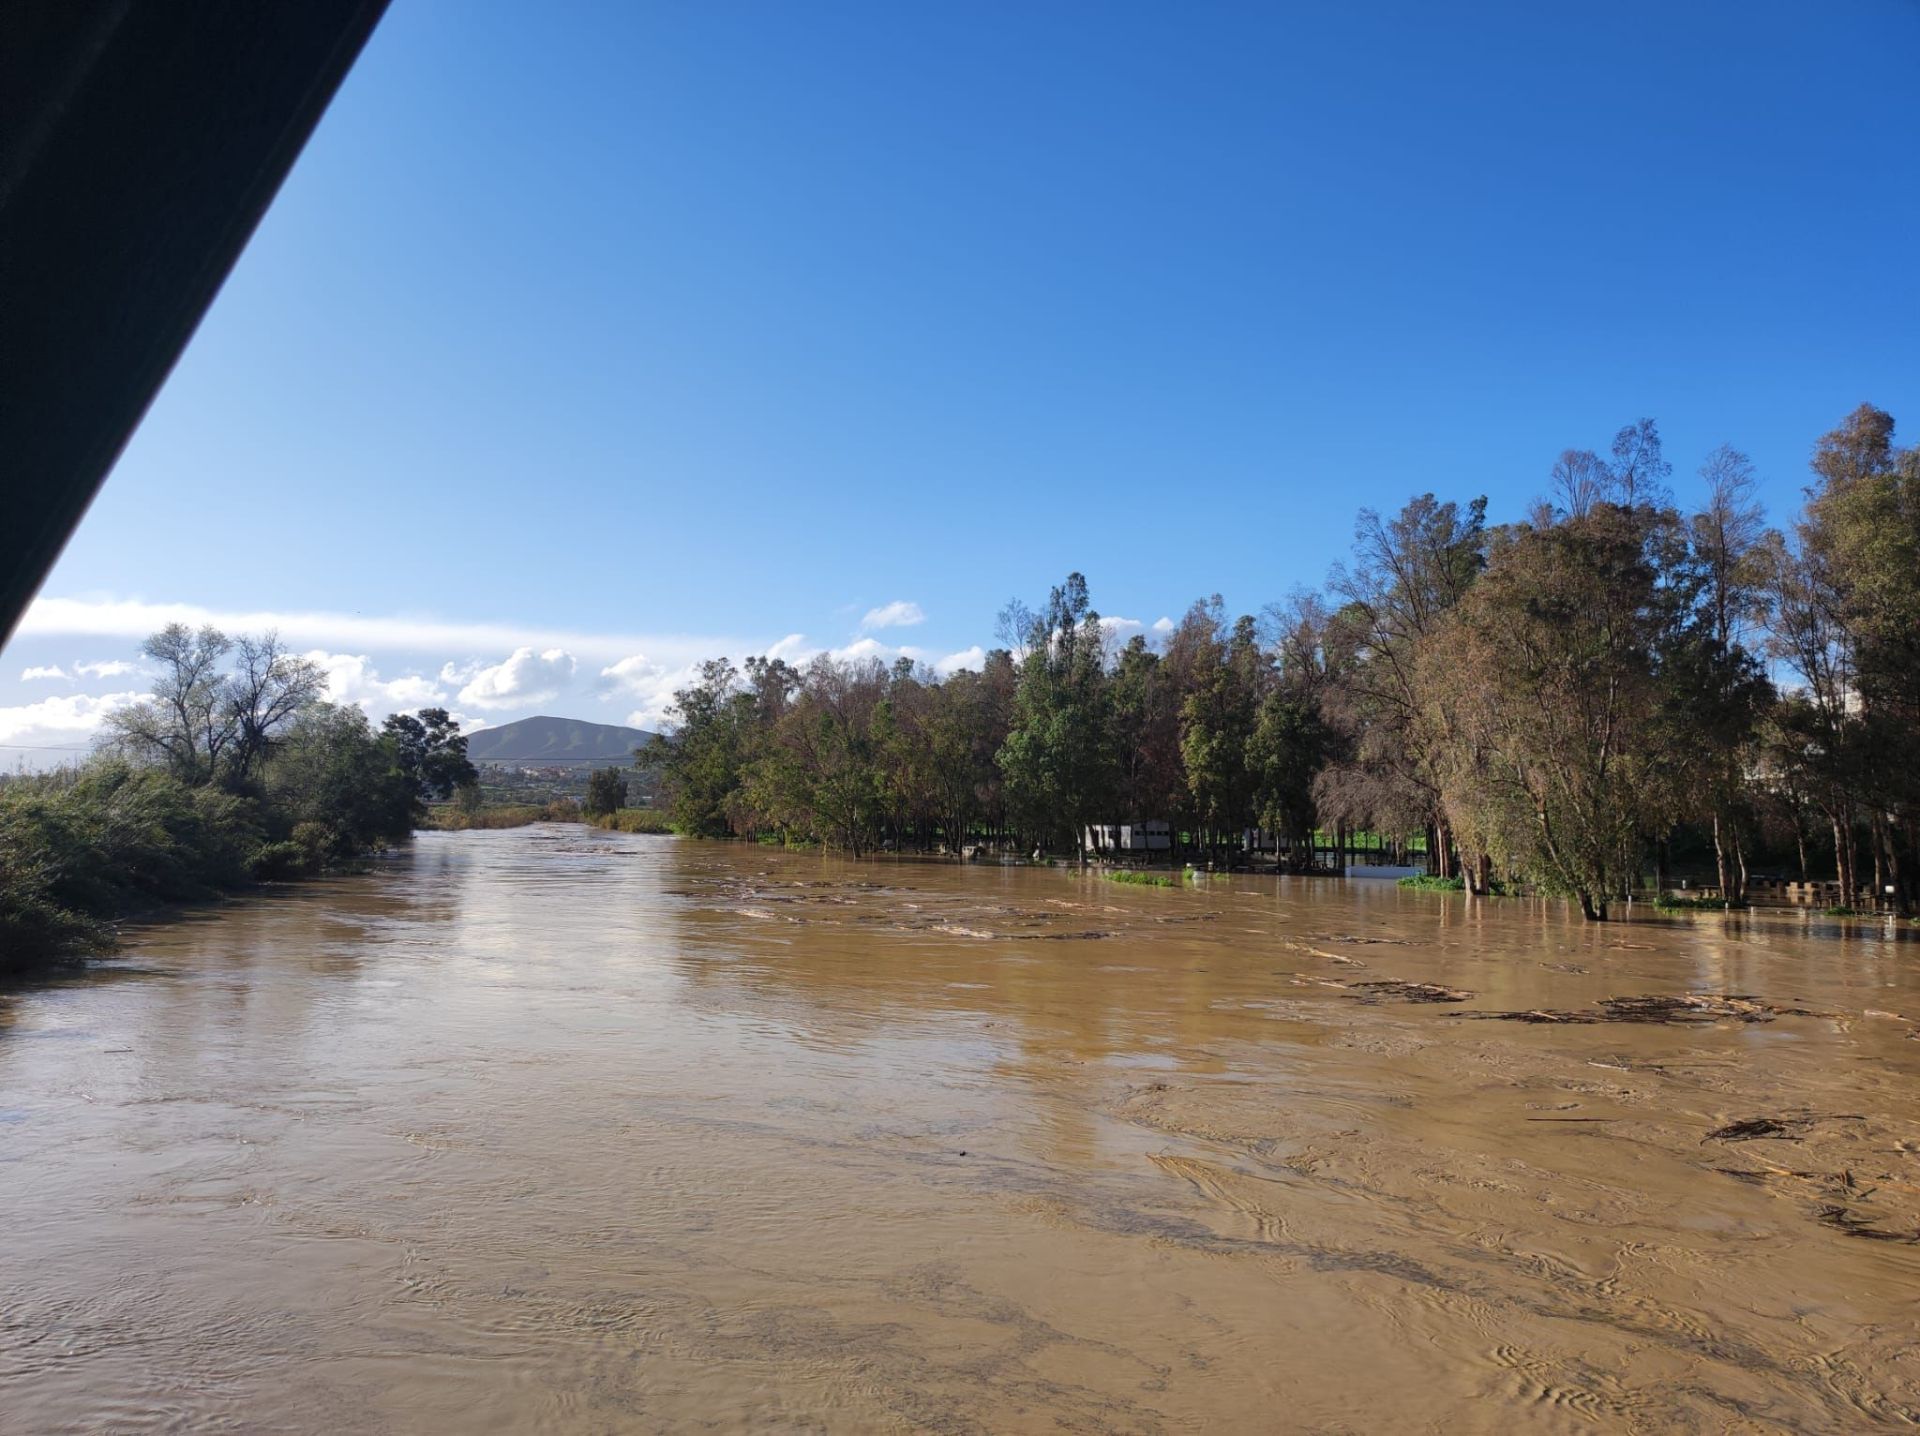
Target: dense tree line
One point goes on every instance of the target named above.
(1565, 701)
(233, 770)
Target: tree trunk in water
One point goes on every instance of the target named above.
(1880, 845)
(1720, 859)
(1592, 911)
(1479, 874)
(1740, 859)
(1904, 880)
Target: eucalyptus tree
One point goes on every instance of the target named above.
(1407, 574)
(1549, 671)
(1721, 689)
(703, 761)
(1056, 761)
(1149, 775)
(1291, 743)
(1217, 721)
(1847, 595)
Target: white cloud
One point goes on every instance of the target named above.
(635, 673)
(639, 679)
(653, 716)
(71, 719)
(862, 649)
(966, 658)
(51, 670)
(352, 679)
(107, 668)
(339, 632)
(898, 614)
(1117, 631)
(524, 679)
(1163, 624)
(798, 651)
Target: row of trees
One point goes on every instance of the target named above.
(234, 769)
(1568, 700)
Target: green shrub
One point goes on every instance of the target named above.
(1140, 879)
(1428, 882)
(279, 862)
(78, 848)
(1668, 902)
(32, 921)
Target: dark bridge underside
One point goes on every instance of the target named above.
(140, 143)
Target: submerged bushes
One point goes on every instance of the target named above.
(635, 820)
(456, 819)
(1140, 879)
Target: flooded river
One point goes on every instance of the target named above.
(568, 1131)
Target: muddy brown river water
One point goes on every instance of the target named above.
(567, 1131)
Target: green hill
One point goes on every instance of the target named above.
(555, 742)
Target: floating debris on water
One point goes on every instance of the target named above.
(1749, 1129)
(1691, 1008)
(1408, 991)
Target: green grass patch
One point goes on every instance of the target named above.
(1428, 883)
(1144, 880)
(1842, 911)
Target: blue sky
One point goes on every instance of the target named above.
(586, 339)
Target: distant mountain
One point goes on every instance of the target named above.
(555, 742)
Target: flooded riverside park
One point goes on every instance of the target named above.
(562, 1130)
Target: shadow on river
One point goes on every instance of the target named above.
(577, 1131)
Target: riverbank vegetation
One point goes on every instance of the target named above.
(464, 817)
(1433, 882)
(634, 820)
(1566, 701)
(234, 771)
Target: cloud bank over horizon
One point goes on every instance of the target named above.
(486, 673)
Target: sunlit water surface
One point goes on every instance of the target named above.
(578, 1132)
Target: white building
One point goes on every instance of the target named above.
(1152, 836)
